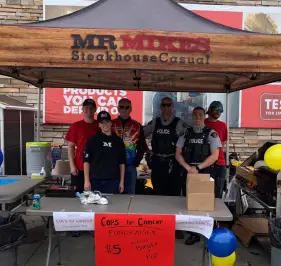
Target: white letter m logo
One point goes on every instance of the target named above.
(107, 144)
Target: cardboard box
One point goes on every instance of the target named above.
(246, 174)
(198, 186)
(200, 201)
(200, 190)
(246, 228)
(198, 177)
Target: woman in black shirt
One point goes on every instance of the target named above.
(104, 159)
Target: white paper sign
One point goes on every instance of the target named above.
(74, 221)
(198, 224)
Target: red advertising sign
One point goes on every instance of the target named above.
(270, 106)
(64, 105)
(121, 239)
(261, 107)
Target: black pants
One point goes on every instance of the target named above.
(165, 176)
(78, 181)
(219, 174)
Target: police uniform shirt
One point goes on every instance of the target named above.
(213, 139)
(105, 154)
(180, 128)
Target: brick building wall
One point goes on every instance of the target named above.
(242, 140)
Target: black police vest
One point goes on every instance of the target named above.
(196, 147)
(164, 138)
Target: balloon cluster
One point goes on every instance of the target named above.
(272, 157)
(222, 245)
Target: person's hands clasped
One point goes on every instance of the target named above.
(121, 187)
(87, 186)
(189, 169)
(193, 170)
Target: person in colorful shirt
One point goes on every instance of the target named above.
(132, 134)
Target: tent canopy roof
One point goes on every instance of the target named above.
(41, 53)
(163, 15)
(143, 80)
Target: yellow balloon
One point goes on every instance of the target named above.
(272, 157)
(226, 261)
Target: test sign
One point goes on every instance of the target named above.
(270, 108)
(121, 239)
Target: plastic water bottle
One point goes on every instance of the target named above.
(43, 172)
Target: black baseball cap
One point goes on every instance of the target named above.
(103, 115)
(89, 102)
(216, 104)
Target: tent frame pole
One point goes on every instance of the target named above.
(38, 112)
(227, 142)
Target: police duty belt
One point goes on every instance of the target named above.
(164, 157)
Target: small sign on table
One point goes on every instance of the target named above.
(74, 221)
(132, 239)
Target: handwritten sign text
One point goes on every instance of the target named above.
(143, 239)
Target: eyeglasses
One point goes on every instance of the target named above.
(166, 104)
(217, 109)
(124, 107)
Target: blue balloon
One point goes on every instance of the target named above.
(1, 157)
(222, 243)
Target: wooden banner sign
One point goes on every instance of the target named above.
(129, 239)
(155, 50)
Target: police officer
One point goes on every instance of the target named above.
(180, 108)
(165, 131)
(197, 151)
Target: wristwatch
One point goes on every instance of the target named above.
(197, 168)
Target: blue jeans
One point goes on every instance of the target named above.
(110, 186)
(130, 179)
